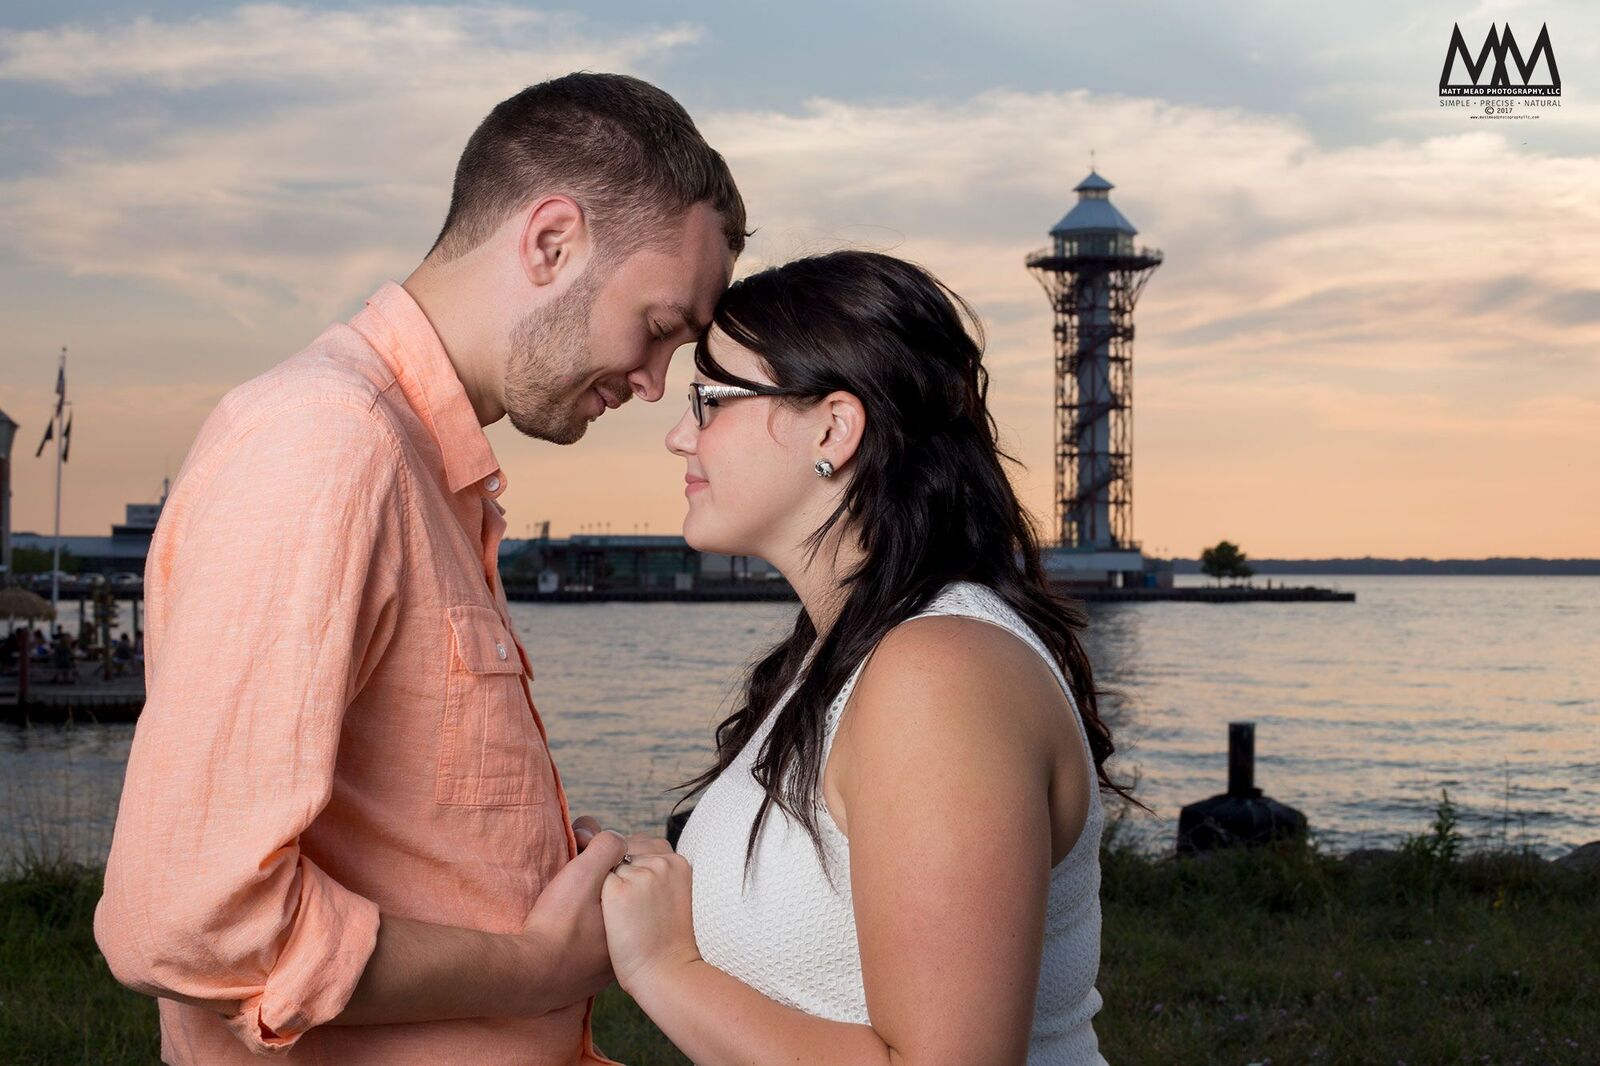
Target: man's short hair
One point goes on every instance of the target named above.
(626, 151)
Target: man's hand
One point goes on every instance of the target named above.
(584, 827)
(566, 928)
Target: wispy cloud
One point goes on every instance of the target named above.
(288, 47)
(1276, 246)
(340, 173)
(1371, 292)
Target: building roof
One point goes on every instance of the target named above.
(1093, 214)
(86, 547)
(1093, 181)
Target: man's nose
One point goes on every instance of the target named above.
(649, 382)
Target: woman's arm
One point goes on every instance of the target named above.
(944, 766)
(718, 1020)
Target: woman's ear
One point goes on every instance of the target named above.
(839, 433)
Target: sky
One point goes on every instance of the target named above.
(1376, 330)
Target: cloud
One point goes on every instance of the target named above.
(1276, 248)
(1270, 238)
(1401, 283)
(307, 197)
(287, 47)
(1574, 306)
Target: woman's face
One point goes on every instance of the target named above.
(750, 475)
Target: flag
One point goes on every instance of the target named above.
(49, 429)
(66, 439)
(61, 387)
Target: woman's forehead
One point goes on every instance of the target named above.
(734, 357)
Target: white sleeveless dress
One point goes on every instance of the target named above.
(791, 934)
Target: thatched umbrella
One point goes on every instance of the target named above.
(21, 603)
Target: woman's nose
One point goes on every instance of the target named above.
(681, 437)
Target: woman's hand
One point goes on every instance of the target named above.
(648, 915)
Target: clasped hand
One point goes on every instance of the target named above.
(646, 904)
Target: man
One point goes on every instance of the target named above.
(341, 838)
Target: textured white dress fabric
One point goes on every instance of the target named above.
(790, 933)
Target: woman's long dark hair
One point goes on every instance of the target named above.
(927, 497)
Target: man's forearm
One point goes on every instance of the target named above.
(425, 972)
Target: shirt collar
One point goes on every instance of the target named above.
(396, 327)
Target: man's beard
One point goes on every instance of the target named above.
(549, 357)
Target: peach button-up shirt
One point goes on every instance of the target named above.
(339, 722)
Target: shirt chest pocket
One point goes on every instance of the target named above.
(490, 751)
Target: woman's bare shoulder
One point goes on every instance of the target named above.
(953, 678)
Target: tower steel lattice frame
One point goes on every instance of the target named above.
(1093, 296)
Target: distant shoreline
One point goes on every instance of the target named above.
(1494, 567)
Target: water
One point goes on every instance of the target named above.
(1486, 686)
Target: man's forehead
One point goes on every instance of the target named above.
(695, 320)
(715, 261)
(693, 283)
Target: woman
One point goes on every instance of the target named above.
(896, 856)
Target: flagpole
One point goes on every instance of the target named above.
(55, 570)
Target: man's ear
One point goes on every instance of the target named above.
(839, 433)
(554, 239)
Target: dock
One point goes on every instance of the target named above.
(91, 699)
(729, 592)
(120, 699)
(779, 591)
(1222, 594)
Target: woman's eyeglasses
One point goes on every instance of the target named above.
(703, 396)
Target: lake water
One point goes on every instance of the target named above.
(1486, 686)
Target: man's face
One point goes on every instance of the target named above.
(610, 336)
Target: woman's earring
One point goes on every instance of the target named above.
(824, 468)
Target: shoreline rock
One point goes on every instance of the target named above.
(1584, 858)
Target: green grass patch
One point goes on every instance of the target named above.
(1284, 954)
(58, 1001)
(1290, 956)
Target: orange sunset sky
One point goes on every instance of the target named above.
(1377, 330)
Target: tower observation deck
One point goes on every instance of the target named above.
(1093, 275)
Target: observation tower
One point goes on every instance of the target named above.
(1093, 275)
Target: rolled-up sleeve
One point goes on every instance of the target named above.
(279, 588)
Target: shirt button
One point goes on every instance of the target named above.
(493, 483)
(500, 649)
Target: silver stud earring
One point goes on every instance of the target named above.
(824, 468)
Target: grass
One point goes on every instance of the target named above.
(58, 1001)
(1288, 955)
(1283, 954)
(60, 1004)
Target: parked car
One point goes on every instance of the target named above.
(124, 580)
(42, 581)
